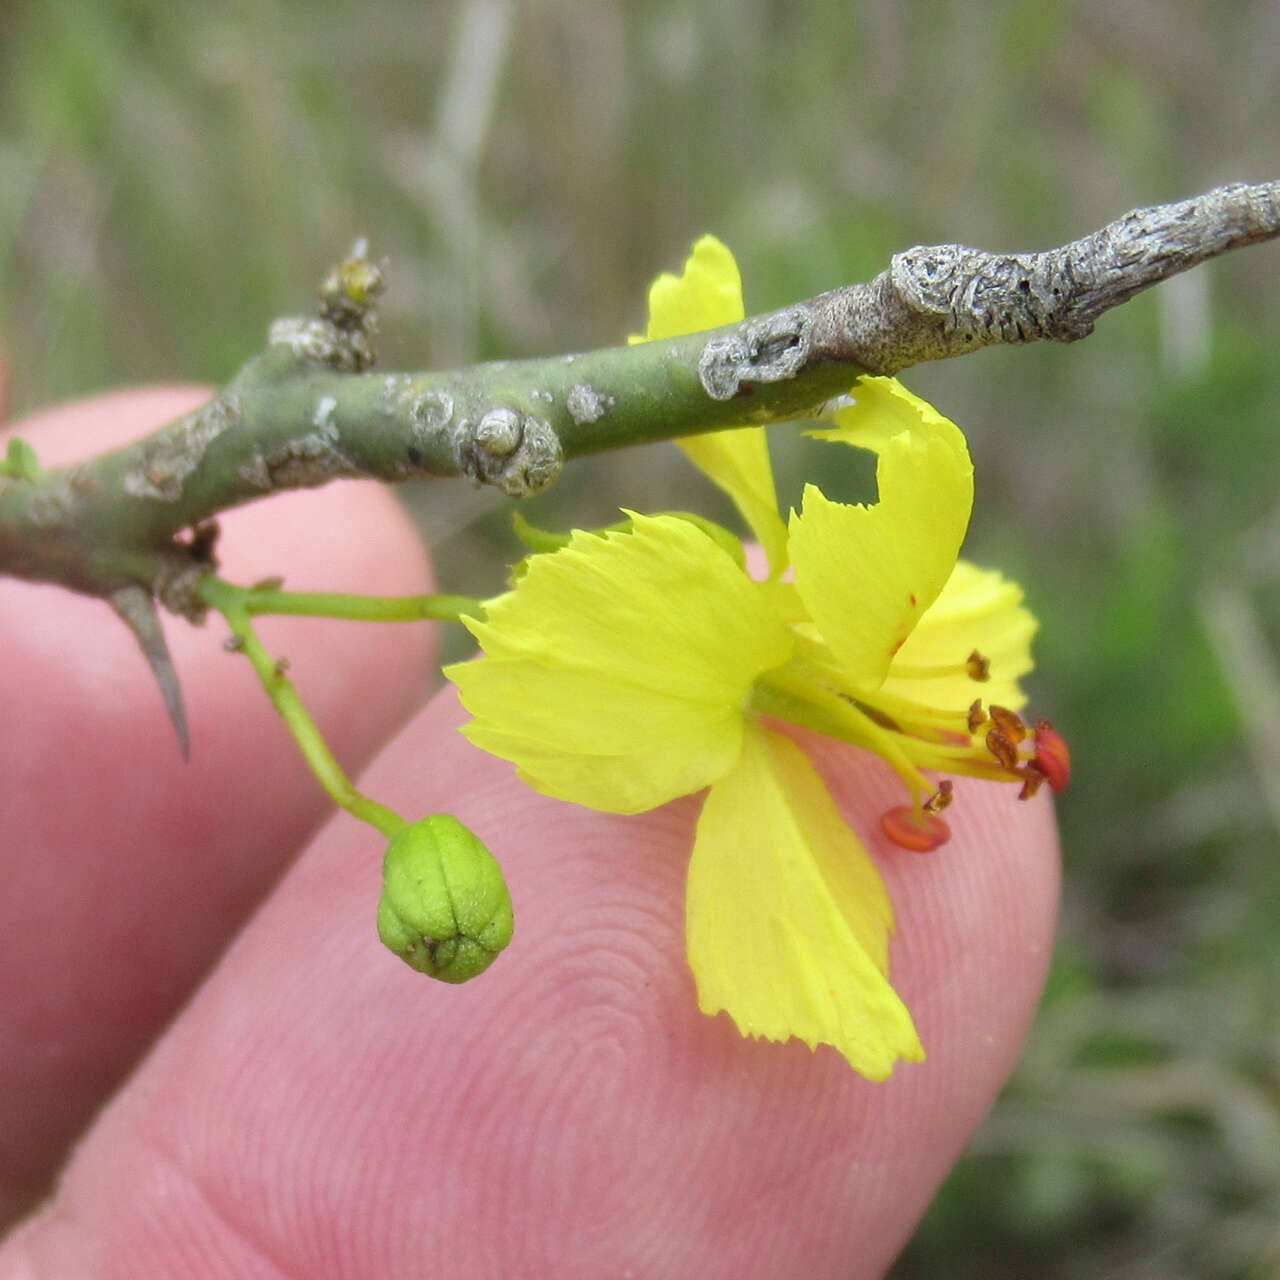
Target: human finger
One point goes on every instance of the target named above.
(320, 1110)
(127, 869)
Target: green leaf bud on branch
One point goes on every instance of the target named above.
(20, 462)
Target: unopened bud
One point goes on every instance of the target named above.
(445, 909)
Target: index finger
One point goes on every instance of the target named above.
(126, 870)
(569, 1112)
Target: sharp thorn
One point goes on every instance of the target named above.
(137, 610)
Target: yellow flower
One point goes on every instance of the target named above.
(627, 669)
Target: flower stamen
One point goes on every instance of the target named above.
(1031, 780)
(1009, 723)
(1049, 759)
(914, 829)
(1053, 757)
(1003, 748)
(941, 798)
(975, 666)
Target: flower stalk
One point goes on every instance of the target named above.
(237, 605)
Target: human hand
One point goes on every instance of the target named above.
(309, 1105)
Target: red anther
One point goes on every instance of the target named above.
(979, 667)
(915, 830)
(1003, 750)
(1009, 723)
(977, 717)
(1053, 756)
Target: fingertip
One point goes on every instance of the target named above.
(574, 1086)
(347, 536)
(88, 425)
(975, 923)
(139, 864)
(974, 931)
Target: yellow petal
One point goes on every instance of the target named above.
(866, 574)
(706, 294)
(878, 409)
(738, 461)
(616, 671)
(981, 610)
(788, 920)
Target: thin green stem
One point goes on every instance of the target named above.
(228, 600)
(335, 604)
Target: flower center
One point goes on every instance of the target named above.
(992, 742)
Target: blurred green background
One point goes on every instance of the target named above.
(174, 176)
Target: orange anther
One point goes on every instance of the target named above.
(940, 798)
(1002, 748)
(1031, 780)
(977, 717)
(913, 829)
(1009, 723)
(979, 667)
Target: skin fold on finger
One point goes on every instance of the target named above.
(321, 1111)
(125, 869)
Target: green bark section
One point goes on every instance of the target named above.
(287, 421)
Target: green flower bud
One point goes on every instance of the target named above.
(445, 909)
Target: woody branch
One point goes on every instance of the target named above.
(132, 525)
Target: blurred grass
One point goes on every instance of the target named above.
(173, 176)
